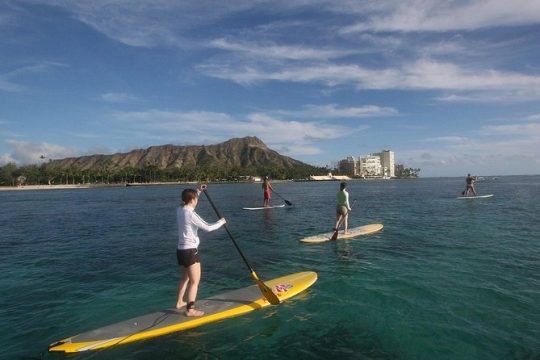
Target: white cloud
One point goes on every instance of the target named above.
(445, 48)
(276, 132)
(282, 131)
(448, 139)
(298, 52)
(114, 97)
(190, 121)
(187, 24)
(486, 158)
(144, 23)
(259, 124)
(298, 150)
(527, 130)
(8, 85)
(534, 117)
(85, 135)
(6, 159)
(491, 150)
(25, 152)
(334, 111)
(423, 74)
(437, 16)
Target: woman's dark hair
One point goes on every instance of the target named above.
(188, 195)
(342, 186)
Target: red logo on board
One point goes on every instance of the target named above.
(283, 288)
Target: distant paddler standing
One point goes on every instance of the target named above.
(470, 185)
(267, 189)
(342, 209)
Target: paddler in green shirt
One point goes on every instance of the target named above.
(342, 207)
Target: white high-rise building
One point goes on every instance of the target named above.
(387, 163)
(370, 166)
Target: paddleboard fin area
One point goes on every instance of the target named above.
(229, 304)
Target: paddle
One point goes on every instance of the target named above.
(267, 292)
(286, 201)
(334, 236)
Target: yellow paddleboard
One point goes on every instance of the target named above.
(226, 305)
(354, 232)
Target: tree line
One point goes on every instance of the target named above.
(44, 174)
(403, 172)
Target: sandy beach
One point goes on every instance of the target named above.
(87, 186)
(57, 187)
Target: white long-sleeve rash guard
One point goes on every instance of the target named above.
(188, 224)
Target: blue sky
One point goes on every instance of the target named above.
(450, 86)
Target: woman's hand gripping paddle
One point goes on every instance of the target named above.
(266, 291)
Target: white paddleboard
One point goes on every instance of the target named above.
(476, 197)
(354, 232)
(264, 207)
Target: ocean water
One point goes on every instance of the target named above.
(445, 279)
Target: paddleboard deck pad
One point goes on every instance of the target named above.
(264, 207)
(354, 232)
(476, 197)
(226, 305)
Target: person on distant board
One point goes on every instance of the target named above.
(342, 208)
(187, 253)
(470, 185)
(267, 189)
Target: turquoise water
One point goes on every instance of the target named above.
(445, 279)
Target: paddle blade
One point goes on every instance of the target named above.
(288, 202)
(266, 291)
(334, 236)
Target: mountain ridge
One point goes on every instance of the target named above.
(246, 152)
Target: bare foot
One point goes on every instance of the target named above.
(194, 313)
(180, 304)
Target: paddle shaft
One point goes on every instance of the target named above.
(286, 201)
(266, 291)
(228, 232)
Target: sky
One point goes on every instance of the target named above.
(452, 87)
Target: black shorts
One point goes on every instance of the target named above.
(187, 257)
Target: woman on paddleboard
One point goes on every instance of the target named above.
(342, 207)
(267, 189)
(187, 253)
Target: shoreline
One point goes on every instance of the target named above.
(99, 186)
(58, 187)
